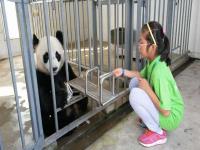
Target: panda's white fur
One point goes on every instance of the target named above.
(42, 48)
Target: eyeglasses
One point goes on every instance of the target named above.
(142, 44)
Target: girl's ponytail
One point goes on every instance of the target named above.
(164, 54)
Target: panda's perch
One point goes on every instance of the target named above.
(97, 92)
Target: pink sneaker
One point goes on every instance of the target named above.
(150, 138)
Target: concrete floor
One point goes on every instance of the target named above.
(124, 135)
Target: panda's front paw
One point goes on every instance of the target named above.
(61, 99)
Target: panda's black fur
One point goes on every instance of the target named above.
(46, 100)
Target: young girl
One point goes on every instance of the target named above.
(154, 95)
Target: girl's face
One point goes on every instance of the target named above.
(146, 50)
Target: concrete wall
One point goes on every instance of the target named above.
(13, 31)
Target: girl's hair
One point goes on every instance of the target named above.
(162, 41)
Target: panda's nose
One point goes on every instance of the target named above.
(55, 68)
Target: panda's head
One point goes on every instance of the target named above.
(42, 55)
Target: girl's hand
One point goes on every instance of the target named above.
(144, 84)
(117, 72)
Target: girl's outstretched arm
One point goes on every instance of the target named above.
(127, 73)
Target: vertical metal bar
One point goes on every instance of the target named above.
(41, 19)
(54, 17)
(117, 61)
(46, 20)
(33, 26)
(159, 4)
(150, 9)
(138, 34)
(71, 31)
(78, 35)
(155, 7)
(51, 22)
(189, 22)
(143, 12)
(146, 4)
(122, 35)
(113, 86)
(58, 19)
(66, 26)
(163, 15)
(89, 35)
(83, 32)
(180, 19)
(94, 18)
(13, 74)
(117, 54)
(132, 34)
(36, 105)
(115, 24)
(38, 17)
(102, 53)
(109, 39)
(36, 21)
(185, 23)
(76, 47)
(169, 18)
(128, 32)
(100, 35)
(65, 40)
(182, 27)
(172, 30)
(186, 26)
(177, 22)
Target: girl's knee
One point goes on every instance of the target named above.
(134, 96)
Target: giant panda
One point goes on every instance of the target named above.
(44, 84)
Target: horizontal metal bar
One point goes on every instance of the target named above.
(75, 99)
(116, 96)
(105, 74)
(82, 66)
(173, 49)
(20, 1)
(105, 2)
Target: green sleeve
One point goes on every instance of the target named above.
(143, 72)
(162, 89)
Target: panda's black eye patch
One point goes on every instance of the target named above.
(58, 56)
(46, 57)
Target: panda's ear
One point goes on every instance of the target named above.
(59, 36)
(35, 41)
